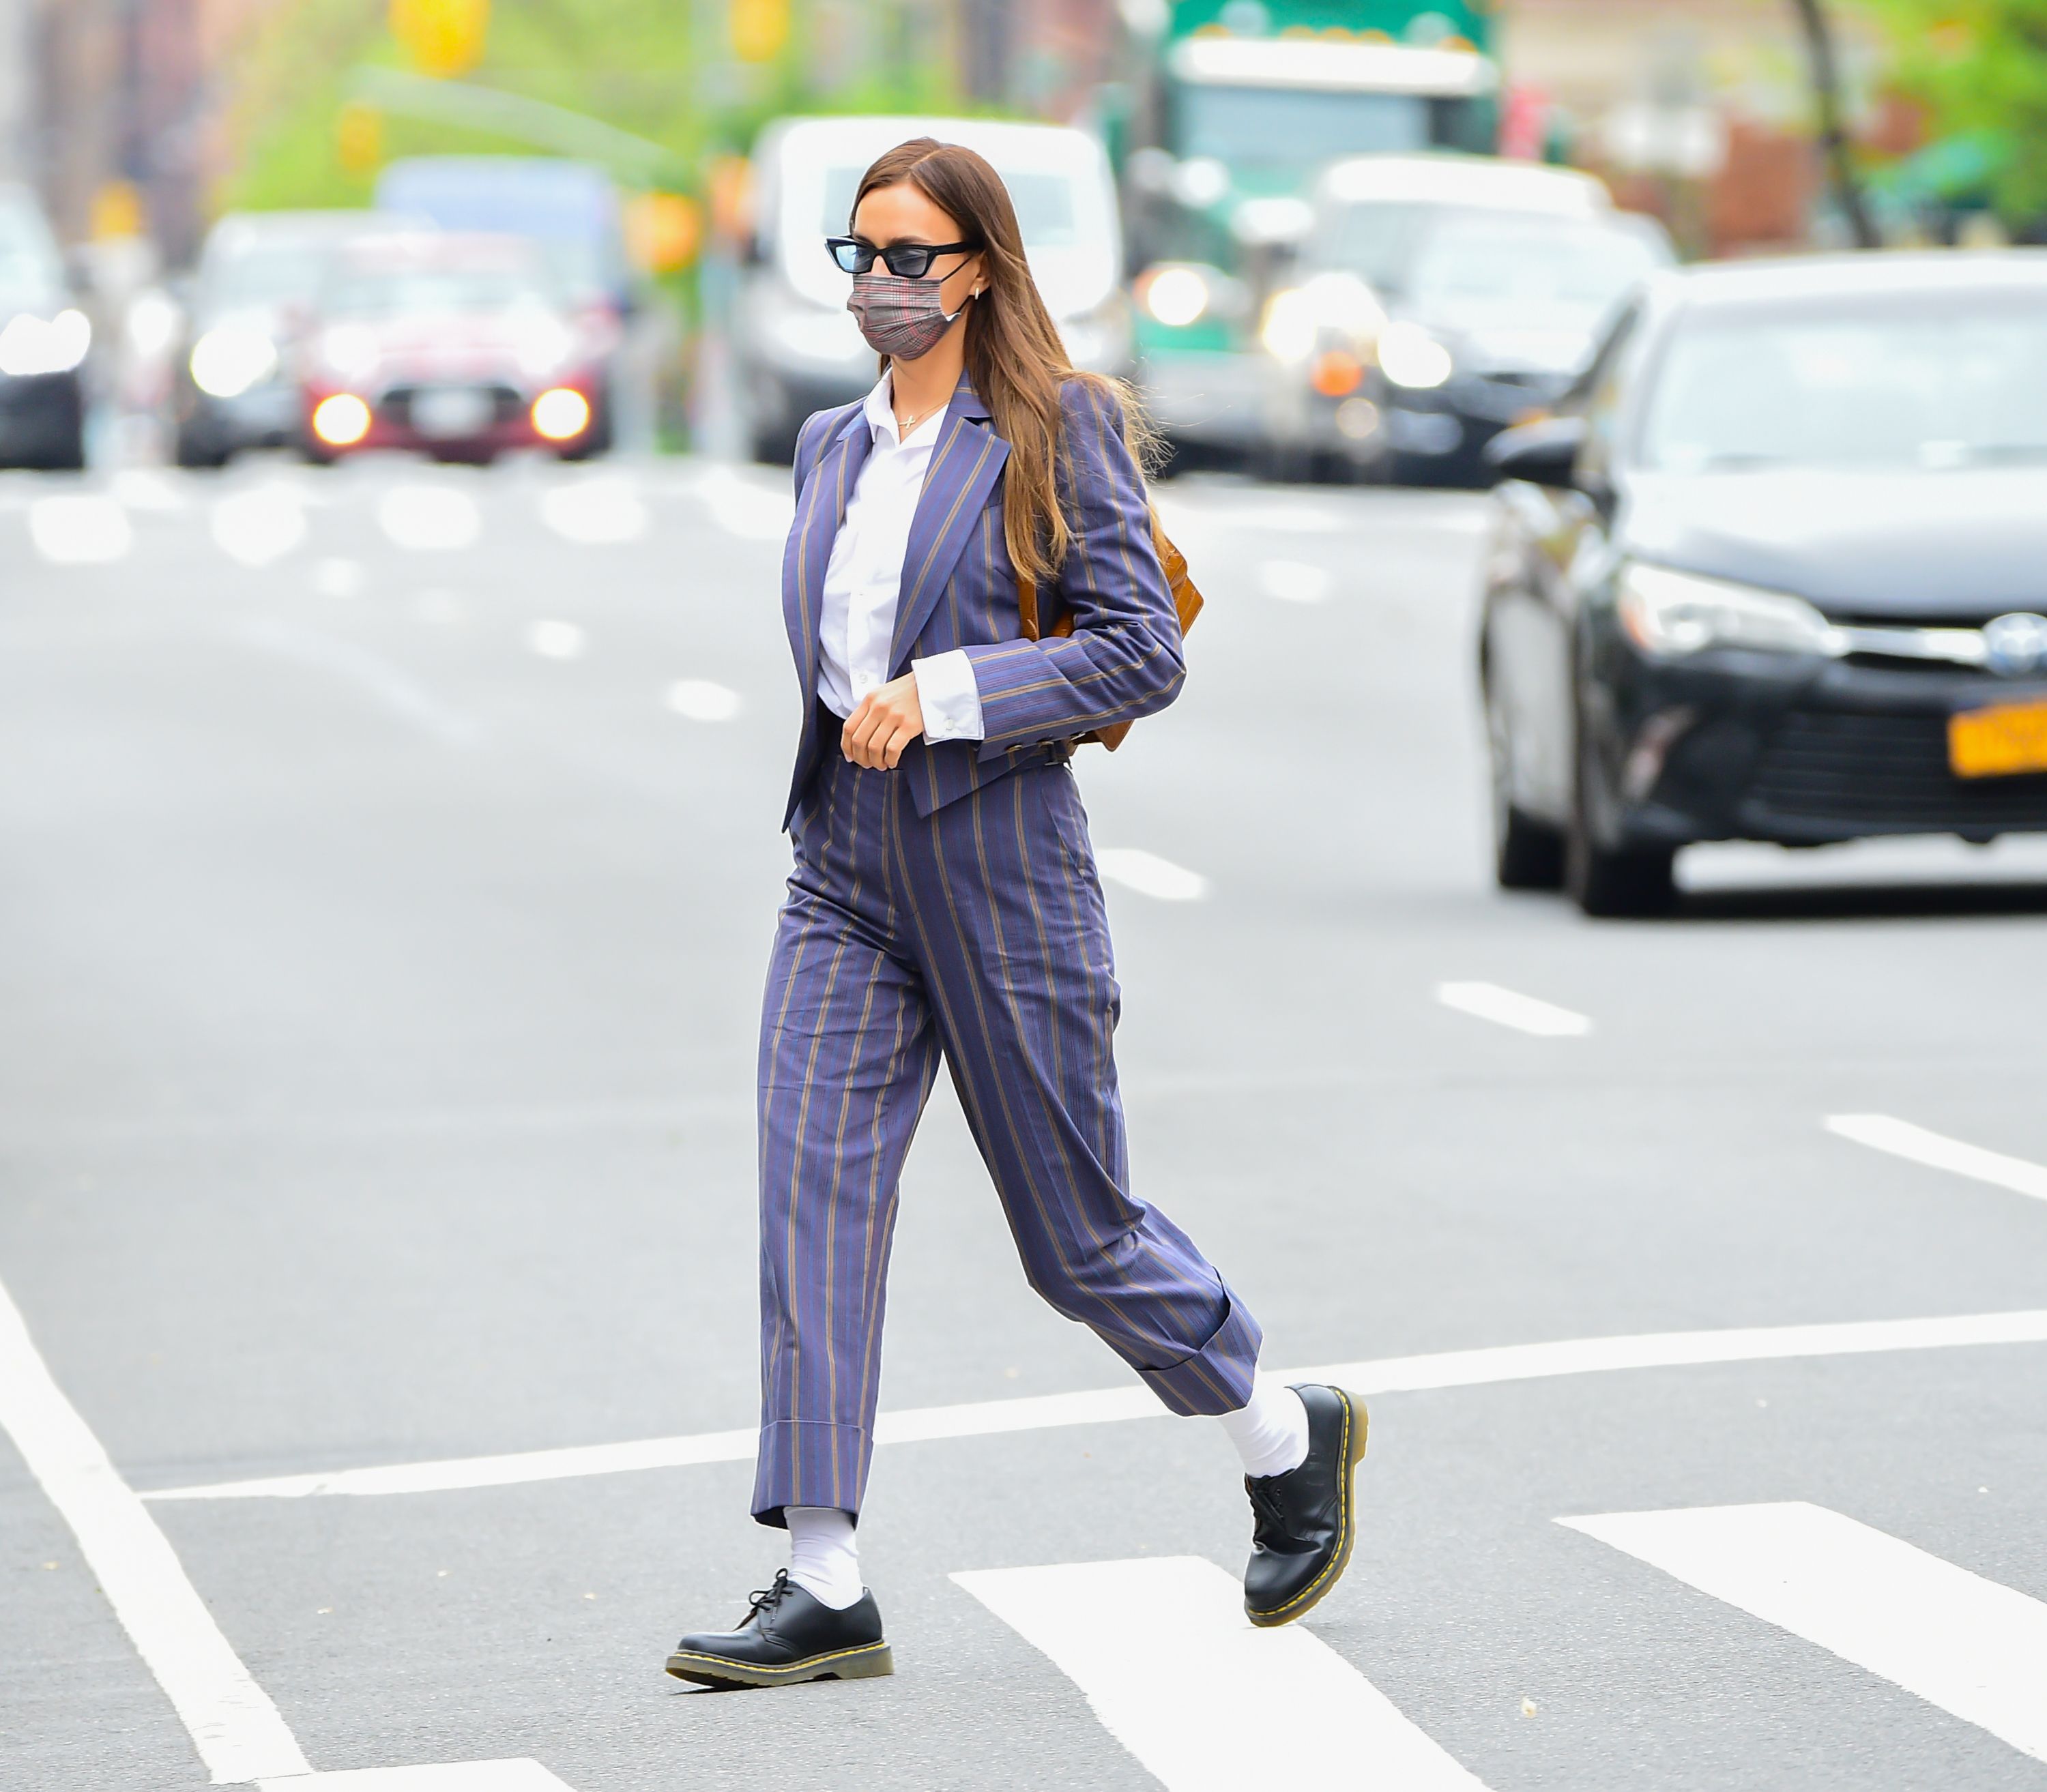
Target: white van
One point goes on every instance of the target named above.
(796, 346)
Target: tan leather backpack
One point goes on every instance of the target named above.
(1186, 603)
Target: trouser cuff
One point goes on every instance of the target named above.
(810, 1462)
(1217, 1377)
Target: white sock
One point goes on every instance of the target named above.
(824, 1560)
(1270, 1430)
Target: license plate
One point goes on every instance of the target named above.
(441, 411)
(1999, 742)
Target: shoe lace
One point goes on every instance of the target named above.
(1269, 1517)
(763, 1599)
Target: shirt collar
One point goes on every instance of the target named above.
(880, 410)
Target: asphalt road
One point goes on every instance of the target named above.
(389, 863)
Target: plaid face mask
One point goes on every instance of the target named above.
(901, 318)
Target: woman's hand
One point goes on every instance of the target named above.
(887, 721)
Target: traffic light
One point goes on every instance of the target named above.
(443, 37)
(760, 29)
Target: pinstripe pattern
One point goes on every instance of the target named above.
(978, 934)
(950, 910)
(1122, 660)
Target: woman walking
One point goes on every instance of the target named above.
(944, 903)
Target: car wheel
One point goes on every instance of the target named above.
(1526, 854)
(1609, 882)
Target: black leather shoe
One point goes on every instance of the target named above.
(1302, 1523)
(789, 1636)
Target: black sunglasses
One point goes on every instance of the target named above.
(904, 261)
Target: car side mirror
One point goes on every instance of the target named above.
(1544, 452)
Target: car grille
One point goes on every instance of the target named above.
(1886, 771)
(395, 406)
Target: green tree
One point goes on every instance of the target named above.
(1979, 67)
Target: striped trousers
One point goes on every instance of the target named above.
(977, 934)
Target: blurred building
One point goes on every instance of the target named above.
(110, 107)
(1698, 110)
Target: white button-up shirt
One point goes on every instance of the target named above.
(863, 581)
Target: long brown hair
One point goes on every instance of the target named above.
(1015, 358)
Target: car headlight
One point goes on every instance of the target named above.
(1290, 326)
(227, 361)
(1175, 296)
(30, 344)
(1670, 614)
(1408, 355)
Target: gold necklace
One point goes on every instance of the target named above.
(904, 425)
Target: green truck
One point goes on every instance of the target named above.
(1229, 111)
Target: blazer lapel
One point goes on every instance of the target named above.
(964, 465)
(819, 512)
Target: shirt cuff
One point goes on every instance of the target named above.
(949, 697)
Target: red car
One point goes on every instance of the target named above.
(456, 347)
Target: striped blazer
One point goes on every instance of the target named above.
(1122, 660)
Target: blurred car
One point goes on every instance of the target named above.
(232, 388)
(44, 338)
(459, 347)
(1776, 570)
(1438, 299)
(569, 210)
(796, 348)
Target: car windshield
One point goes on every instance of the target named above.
(1935, 380)
(1487, 266)
(283, 272)
(1043, 198)
(388, 292)
(1295, 127)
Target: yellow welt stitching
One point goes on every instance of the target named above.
(1343, 1530)
(792, 1667)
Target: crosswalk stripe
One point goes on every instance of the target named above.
(235, 1728)
(1176, 1673)
(1968, 1645)
(1901, 1139)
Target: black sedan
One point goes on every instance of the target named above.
(44, 339)
(1776, 570)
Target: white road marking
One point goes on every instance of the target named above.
(556, 640)
(1385, 1375)
(1510, 1009)
(1149, 875)
(259, 524)
(1973, 1647)
(701, 701)
(391, 687)
(594, 512)
(145, 489)
(1901, 1139)
(1177, 1675)
(746, 507)
(463, 1776)
(79, 529)
(429, 518)
(234, 1725)
(337, 577)
(1295, 581)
